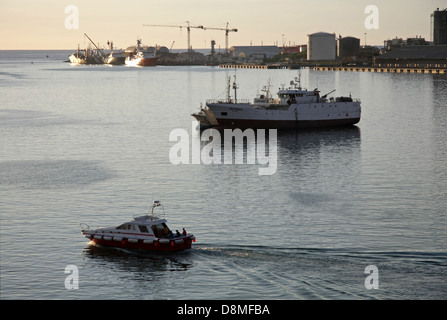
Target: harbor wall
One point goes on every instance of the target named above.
(383, 70)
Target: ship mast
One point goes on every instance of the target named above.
(229, 89)
(235, 89)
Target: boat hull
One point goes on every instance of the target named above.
(318, 115)
(142, 62)
(283, 124)
(161, 245)
(115, 60)
(74, 59)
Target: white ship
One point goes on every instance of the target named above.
(141, 58)
(294, 108)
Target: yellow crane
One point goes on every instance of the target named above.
(188, 28)
(227, 30)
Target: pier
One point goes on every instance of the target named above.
(243, 66)
(384, 69)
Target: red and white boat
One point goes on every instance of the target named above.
(147, 232)
(141, 58)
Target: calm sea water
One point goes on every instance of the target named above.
(90, 144)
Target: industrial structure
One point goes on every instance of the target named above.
(294, 49)
(321, 46)
(414, 57)
(439, 26)
(417, 53)
(254, 53)
(189, 27)
(348, 48)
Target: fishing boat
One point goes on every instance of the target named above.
(294, 108)
(140, 58)
(147, 232)
(115, 57)
(87, 56)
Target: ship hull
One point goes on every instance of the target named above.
(318, 115)
(115, 61)
(171, 246)
(75, 60)
(285, 124)
(142, 62)
(148, 62)
(143, 243)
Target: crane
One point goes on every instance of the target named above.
(227, 30)
(188, 28)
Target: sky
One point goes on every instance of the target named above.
(61, 24)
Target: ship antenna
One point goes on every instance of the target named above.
(235, 89)
(299, 80)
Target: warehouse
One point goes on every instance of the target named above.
(414, 57)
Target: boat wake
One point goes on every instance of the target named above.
(262, 272)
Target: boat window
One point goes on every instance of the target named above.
(126, 226)
(143, 228)
(161, 230)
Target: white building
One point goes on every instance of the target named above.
(321, 46)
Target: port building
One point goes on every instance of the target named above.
(424, 56)
(439, 21)
(254, 52)
(321, 46)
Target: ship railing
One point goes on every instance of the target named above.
(87, 228)
(226, 101)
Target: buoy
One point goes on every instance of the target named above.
(133, 240)
(117, 239)
(156, 244)
(172, 243)
(124, 242)
(148, 241)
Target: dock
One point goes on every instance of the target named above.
(255, 66)
(243, 66)
(384, 69)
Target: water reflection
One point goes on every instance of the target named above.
(139, 262)
(316, 139)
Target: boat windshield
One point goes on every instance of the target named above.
(161, 230)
